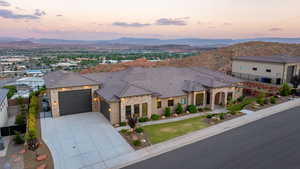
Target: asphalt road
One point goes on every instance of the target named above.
(269, 143)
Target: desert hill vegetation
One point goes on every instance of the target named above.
(219, 59)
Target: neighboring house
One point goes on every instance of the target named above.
(272, 69)
(34, 73)
(138, 91)
(35, 83)
(3, 107)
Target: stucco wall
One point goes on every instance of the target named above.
(3, 112)
(246, 67)
(54, 102)
(135, 100)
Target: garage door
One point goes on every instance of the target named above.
(104, 109)
(76, 101)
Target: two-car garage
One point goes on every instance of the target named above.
(75, 101)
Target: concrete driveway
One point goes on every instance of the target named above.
(82, 141)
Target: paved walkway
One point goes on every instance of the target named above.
(181, 141)
(176, 118)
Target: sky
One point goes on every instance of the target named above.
(163, 19)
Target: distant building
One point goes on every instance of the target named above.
(273, 69)
(3, 107)
(35, 73)
(35, 83)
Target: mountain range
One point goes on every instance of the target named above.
(149, 41)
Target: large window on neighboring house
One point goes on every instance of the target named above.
(136, 110)
(144, 109)
(170, 103)
(158, 104)
(230, 96)
(254, 68)
(184, 100)
(199, 99)
(128, 111)
(268, 70)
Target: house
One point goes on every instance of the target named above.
(3, 107)
(272, 69)
(138, 91)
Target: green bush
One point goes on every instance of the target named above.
(233, 109)
(240, 99)
(167, 112)
(192, 108)
(261, 98)
(209, 116)
(124, 131)
(18, 138)
(11, 91)
(285, 90)
(123, 123)
(143, 119)
(139, 130)
(179, 109)
(273, 100)
(222, 116)
(155, 117)
(137, 143)
(20, 119)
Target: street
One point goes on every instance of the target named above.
(270, 143)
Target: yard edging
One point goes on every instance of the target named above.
(193, 137)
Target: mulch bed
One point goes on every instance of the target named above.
(30, 161)
(130, 136)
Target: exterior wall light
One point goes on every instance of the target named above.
(109, 109)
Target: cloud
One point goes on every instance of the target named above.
(10, 15)
(275, 29)
(4, 3)
(39, 12)
(134, 24)
(59, 15)
(227, 23)
(172, 21)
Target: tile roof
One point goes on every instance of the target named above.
(3, 94)
(162, 81)
(270, 59)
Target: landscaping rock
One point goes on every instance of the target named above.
(175, 115)
(134, 137)
(42, 157)
(143, 141)
(163, 117)
(43, 166)
(22, 151)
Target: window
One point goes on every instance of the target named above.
(170, 103)
(199, 99)
(158, 104)
(268, 70)
(128, 111)
(144, 109)
(184, 101)
(254, 69)
(136, 110)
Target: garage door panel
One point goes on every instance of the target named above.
(76, 101)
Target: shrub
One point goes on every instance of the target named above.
(222, 116)
(179, 109)
(137, 143)
(273, 100)
(123, 123)
(192, 108)
(238, 107)
(209, 116)
(167, 112)
(285, 90)
(155, 117)
(261, 98)
(139, 130)
(240, 99)
(143, 119)
(18, 138)
(20, 119)
(124, 131)
(233, 112)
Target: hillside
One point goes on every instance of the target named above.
(219, 59)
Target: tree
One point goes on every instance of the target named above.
(295, 81)
(179, 109)
(132, 122)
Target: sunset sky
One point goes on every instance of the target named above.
(164, 19)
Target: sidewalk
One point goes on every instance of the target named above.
(181, 141)
(176, 118)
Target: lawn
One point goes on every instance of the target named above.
(161, 132)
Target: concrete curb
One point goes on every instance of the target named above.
(193, 137)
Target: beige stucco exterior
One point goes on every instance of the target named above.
(54, 100)
(244, 69)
